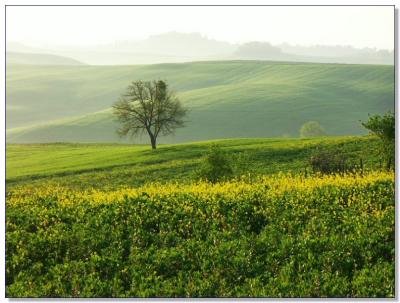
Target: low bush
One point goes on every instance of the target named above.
(331, 162)
(328, 162)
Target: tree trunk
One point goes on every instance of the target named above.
(153, 141)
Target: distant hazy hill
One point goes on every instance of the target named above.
(164, 48)
(176, 44)
(226, 99)
(39, 59)
(329, 51)
(258, 51)
(317, 54)
(176, 47)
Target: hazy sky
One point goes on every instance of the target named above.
(356, 26)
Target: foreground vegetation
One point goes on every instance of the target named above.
(97, 220)
(279, 236)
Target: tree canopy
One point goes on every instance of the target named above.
(149, 107)
(384, 127)
(311, 129)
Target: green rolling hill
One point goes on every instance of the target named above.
(227, 99)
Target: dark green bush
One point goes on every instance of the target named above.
(330, 162)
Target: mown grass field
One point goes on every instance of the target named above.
(109, 220)
(227, 99)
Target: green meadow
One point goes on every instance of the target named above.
(113, 165)
(226, 99)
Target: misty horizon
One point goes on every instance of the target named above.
(150, 35)
(178, 47)
(198, 34)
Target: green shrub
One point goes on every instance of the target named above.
(216, 165)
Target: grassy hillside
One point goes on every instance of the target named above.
(112, 165)
(226, 99)
(39, 59)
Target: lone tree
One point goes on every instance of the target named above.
(384, 127)
(311, 129)
(148, 106)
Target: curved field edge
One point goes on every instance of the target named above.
(281, 236)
